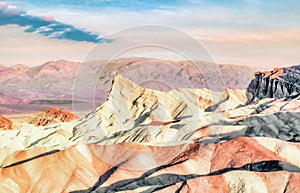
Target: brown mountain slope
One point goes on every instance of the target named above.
(5, 124)
(142, 140)
(111, 168)
(50, 116)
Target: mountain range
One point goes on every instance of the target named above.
(180, 140)
(52, 83)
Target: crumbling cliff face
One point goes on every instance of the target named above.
(278, 83)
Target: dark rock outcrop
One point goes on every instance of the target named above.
(278, 83)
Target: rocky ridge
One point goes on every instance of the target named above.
(278, 83)
(5, 124)
(127, 145)
(50, 116)
(40, 82)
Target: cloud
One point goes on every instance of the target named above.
(248, 36)
(46, 26)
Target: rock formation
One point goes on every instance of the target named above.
(5, 124)
(279, 83)
(50, 116)
(39, 84)
(143, 140)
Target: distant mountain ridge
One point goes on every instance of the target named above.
(59, 68)
(12, 100)
(55, 79)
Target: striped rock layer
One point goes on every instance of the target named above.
(142, 140)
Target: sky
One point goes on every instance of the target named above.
(256, 33)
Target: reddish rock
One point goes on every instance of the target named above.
(239, 152)
(80, 167)
(5, 124)
(51, 116)
(51, 159)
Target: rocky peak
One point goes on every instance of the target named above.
(59, 68)
(278, 83)
(50, 116)
(5, 124)
(20, 67)
(183, 140)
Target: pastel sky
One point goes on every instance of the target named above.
(245, 32)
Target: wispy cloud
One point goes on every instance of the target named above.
(46, 26)
(236, 31)
(248, 36)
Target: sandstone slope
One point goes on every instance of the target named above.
(143, 140)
